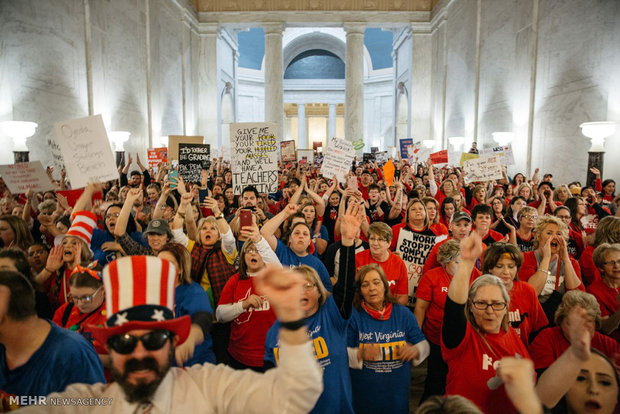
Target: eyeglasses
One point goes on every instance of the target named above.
(481, 305)
(530, 216)
(87, 298)
(309, 286)
(112, 215)
(563, 217)
(376, 239)
(612, 262)
(126, 344)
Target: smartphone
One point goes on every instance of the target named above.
(202, 194)
(173, 178)
(352, 183)
(245, 218)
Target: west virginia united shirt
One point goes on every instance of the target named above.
(383, 385)
(327, 330)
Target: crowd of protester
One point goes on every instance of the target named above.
(508, 289)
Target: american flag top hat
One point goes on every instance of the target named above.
(139, 294)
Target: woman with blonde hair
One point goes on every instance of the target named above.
(607, 259)
(525, 190)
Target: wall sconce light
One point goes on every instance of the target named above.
(456, 142)
(20, 131)
(503, 138)
(597, 132)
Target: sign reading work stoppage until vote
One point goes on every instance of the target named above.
(254, 156)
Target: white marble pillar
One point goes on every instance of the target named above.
(354, 82)
(274, 89)
(208, 97)
(331, 121)
(302, 139)
(421, 102)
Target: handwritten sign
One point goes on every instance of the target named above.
(287, 151)
(504, 153)
(86, 150)
(56, 153)
(157, 156)
(439, 157)
(381, 157)
(193, 158)
(466, 156)
(305, 155)
(25, 176)
(482, 169)
(338, 158)
(405, 143)
(175, 140)
(254, 156)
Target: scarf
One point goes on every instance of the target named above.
(199, 255)
(382, 315)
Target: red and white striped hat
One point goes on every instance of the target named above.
(82, 225)
(140, 295)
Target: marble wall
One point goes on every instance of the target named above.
(565, 63)
(140, 54)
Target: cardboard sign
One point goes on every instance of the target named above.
(254, 156)
(504, 153)
(439, 157)
(466, 156)
(287, 151)
(338, 159)
(305, 155)
(405, 143)
(56, 153)
(24, 176)
(175, 140)
(482, 169)
(157, 156)
(86, 150)
(193, 158)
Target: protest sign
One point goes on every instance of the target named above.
(86, 150)
(439, 157)
(157, 156)
(466, 156)
(338, 158)
(24, 176)
(254, 156)
(504, 153)
(193, 158)
(57, 160)
(305, 155)
(388, 172)
(73, 196)
(175, 140)
(287, 151)
(405, 143)
(381, 157)
(482, 169)
(368, 157)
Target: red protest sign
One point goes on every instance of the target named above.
(157, 155)
(439, 157)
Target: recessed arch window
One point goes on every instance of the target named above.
(315, 64)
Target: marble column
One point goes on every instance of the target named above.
(354, 82)
(208, 99)
(302, 139)
(421, 78)
(274, 89)
(331, 121)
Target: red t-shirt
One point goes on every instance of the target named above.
(472, 364)
(606, 298)
(589, 271)
(530, 265)
(394, 268)
(431, 260)
(248, 331)
(439, 229)
(536, 204)
(433, 288)
(550, 343)
(81, 323)
(525, 315)
(492, 236)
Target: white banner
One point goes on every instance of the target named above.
(338, 159)
(482, 169)
(254, 156)
(86, 150)
(21, 177)
(504, 153)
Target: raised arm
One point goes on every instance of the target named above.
(318, 201)
(84, 201)
(121, 223)
(471, 248)
(539, 278)
(269, 229)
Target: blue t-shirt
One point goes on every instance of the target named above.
(190, 298)
(328, 332)
(101, 236)
(289, 258)
(383, 386)
(65, 358)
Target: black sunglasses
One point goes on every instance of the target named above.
(125, 344)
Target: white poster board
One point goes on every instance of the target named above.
(254, 156)
(56, 153)
(338, 158)
(287, 151)
(86, 150)
(305, 155)
(24, 176)
(504, 153)
(482, 169)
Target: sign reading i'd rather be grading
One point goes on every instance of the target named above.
(254, 156)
